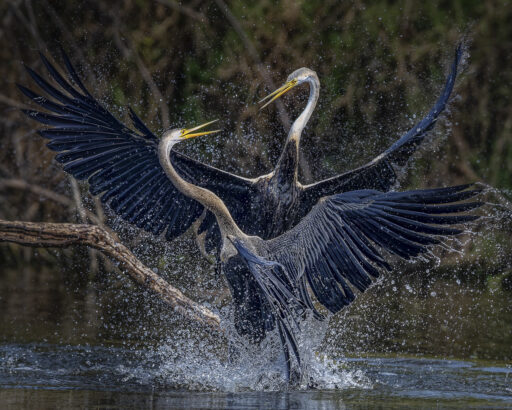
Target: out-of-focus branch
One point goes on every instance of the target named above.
(251, 50)
(78, 200)
(464, 151)
(71, 42)
(128, 50)
(93, 255)
(64, 235)
(11, 102)
(20, 184)
(189, 12)
(31, 25)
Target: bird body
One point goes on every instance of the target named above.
(284, 201)
(277, 202)
(253, 316)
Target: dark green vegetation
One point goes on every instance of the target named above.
(379, 64)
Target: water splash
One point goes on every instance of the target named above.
(233, 365)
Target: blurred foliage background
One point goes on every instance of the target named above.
(381, 64)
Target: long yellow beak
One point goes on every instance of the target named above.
(189, 133)
(278, 93)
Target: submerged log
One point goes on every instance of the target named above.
(67, 234)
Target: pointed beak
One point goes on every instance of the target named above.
(278, 93)
(189, 133)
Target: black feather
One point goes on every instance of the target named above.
(73, 75)
(340, 243)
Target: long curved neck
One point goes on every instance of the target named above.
(207, 198)
(288, 165)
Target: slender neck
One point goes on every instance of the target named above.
(207, 198)
(288, 164)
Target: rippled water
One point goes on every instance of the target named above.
(49, 376)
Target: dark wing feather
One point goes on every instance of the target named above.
(283, 296)
(121, 164)
(340, 243)
(380, 172)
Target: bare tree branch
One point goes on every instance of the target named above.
(65, 234)
(18, 183)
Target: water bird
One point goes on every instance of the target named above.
(335, 249)
(122, 166)
(279, 201)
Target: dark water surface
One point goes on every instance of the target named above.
(49, 376)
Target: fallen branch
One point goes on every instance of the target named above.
(66, 234)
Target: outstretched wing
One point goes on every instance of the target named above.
(339, 245)
(119, 163)
(380, 172)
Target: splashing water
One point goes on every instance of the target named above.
(42, 373)
(190, 362)
(187, 359)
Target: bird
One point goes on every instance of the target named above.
(126, 169)
(120, 163)
(283, 200)
(335, 249)
(121, 166)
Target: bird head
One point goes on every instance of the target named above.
(297, 77)
(176, 135)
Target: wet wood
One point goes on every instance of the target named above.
(66, 234)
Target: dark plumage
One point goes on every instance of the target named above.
(345, 228)
(120, 164)
(341, 246)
